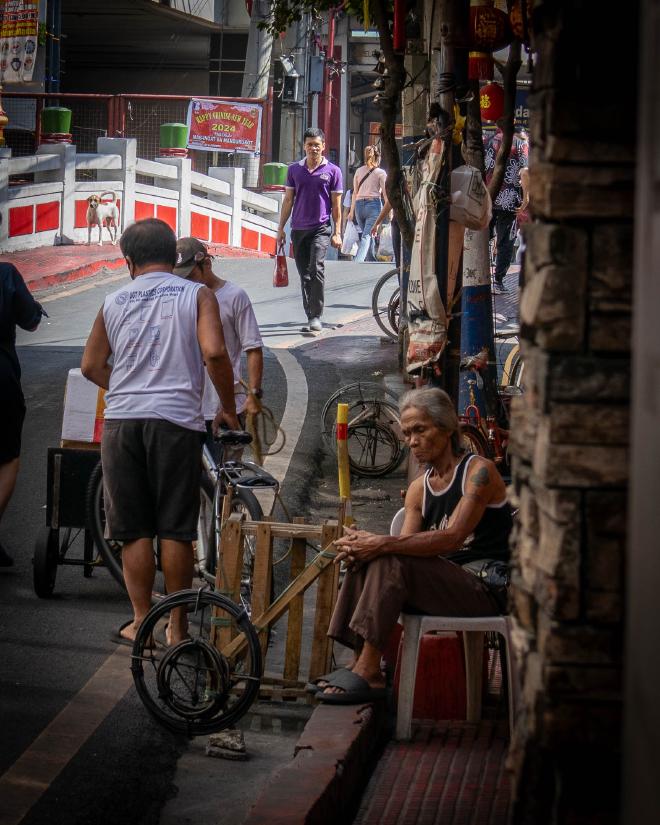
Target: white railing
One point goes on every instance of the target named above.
(52, 209)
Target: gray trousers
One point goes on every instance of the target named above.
(371, 598)
(310, 247)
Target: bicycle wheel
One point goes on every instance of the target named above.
(44, 561)
(373, 449)
(473, 440)
(380, 301)
(357, 395)
(394, 310)
(517, 372)
(193, 687)
(109, 550)
(243, 501)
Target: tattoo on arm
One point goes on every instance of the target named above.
(481, 478)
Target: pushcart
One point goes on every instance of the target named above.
(68, 474)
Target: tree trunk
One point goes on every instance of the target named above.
(509, 75)
(391, 97)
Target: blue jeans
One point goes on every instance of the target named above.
(366, 212)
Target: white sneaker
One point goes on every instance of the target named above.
(315, 324)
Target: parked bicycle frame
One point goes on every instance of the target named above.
(225, 487)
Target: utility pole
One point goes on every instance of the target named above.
(257, 73)
(476, 304)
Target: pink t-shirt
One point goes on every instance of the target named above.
(372, 186)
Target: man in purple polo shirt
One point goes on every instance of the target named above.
(313, 191)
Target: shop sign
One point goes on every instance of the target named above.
(18, 39)
(224, 126)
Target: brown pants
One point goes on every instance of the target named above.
(371, 598)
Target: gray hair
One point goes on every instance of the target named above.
(440, 409)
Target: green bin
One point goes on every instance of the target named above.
(274, 174)
(173, 136)
(56, 120)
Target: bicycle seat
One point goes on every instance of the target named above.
(232, 438)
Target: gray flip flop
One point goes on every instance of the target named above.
(313, 687)
(356, 690)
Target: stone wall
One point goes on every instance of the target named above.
(570, 428)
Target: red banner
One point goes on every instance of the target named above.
(224, 126)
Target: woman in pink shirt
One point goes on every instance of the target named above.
(368, 192)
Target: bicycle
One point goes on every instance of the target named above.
(375, 446)
(386, 303)
(193, 687)
(225, 487)
(486, 436)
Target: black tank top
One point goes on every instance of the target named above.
(490, 539)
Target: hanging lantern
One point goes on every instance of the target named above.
(520, 18)
(491, 101)
(489, 31)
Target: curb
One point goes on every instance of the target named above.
(75, 274)
(333, 760)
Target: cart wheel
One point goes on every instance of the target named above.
(46, 556)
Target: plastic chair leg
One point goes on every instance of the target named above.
(411, 637)
(473, 645)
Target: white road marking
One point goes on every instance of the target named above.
(76, 290)
(37, 767)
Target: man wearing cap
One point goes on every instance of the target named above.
(313, 193)
(239, 326)
(159, 331)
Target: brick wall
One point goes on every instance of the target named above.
(570, 429)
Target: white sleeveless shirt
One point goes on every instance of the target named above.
(158, 369)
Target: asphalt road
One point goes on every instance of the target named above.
(126, 767)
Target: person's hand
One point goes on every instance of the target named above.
(230, 420)
(358, 547)
(281, 237)
(336, 240)
(351, 216)
(374, 230)
(252, 404)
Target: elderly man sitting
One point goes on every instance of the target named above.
(456, 514)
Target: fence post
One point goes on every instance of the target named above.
(234, 177)
(127, 148)
(184, 184)
(67, 174)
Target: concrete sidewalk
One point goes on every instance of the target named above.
(49, 266)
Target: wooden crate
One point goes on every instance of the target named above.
(264, 614)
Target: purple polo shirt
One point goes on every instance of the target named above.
(312, 204)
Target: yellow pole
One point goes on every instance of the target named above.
(343, 466)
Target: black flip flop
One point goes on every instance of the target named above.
(314, 687)
(118, 639)
(356, 690)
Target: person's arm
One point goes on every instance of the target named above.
(335, 200)
(212, 344)
(384, 214)
(524, 185)
(285, 213)
(27, 311)
(483, 486)
(255, 373)
(94, 365)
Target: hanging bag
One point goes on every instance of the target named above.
(281, 274)
(351, 238)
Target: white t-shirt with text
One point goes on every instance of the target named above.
(241, 332)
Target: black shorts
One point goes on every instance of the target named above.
(151, 478)
(12, 414)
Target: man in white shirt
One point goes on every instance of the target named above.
(239, 326)
(159, 331)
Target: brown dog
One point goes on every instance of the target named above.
(102, 214)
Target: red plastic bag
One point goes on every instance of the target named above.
(281, 274)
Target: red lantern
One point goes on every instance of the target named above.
(491, 101)
(489, 31)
